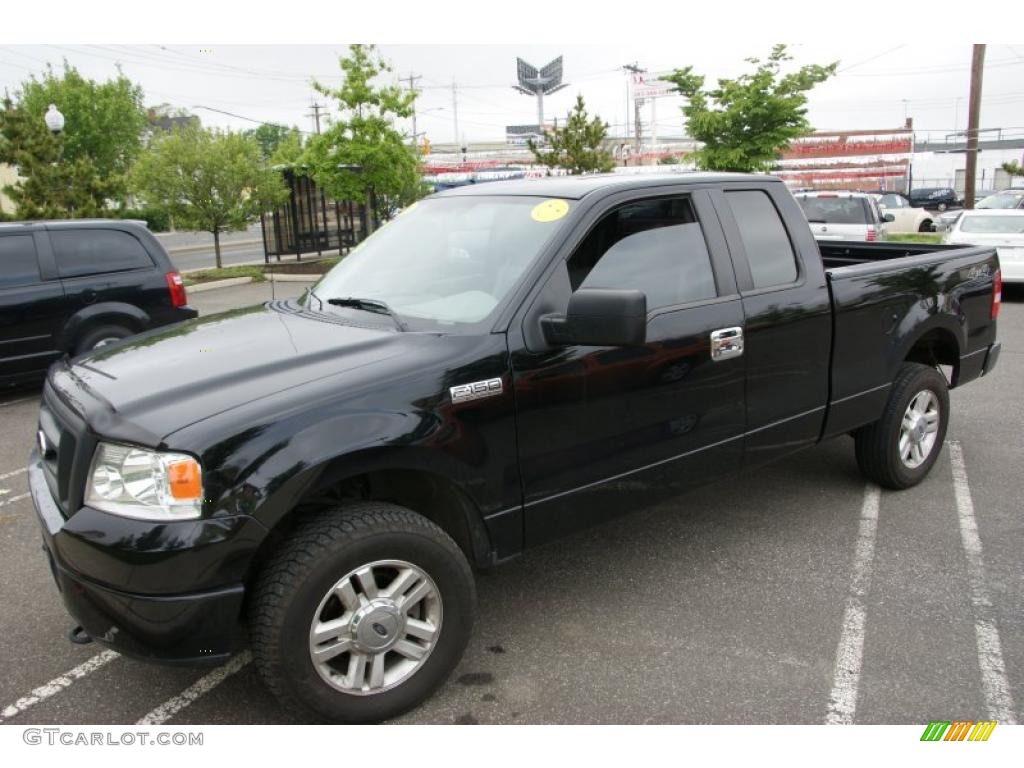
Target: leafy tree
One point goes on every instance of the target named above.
(51, 185)
(270, 136)
(289, 150)
(577, 146)
(1013, 168)
(361, 156)
(102, 136)
(744, 123)
(207, 180)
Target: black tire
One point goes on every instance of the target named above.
(927, 226)
(100, 335)
(315, 556)
(877, 445)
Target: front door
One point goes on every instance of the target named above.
(604, 430)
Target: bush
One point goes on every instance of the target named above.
(156, 219)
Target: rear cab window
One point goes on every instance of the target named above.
(80, 252)
(769, 251)
(18, 263)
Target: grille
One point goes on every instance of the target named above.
(68, 463)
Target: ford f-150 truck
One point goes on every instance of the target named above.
(500, 365)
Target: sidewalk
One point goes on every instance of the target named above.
(178, 242)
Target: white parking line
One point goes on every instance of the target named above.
(850, 654)
(20, 400)
(58, 684)
(998, 698)
(13, 499)
(5, 475)
(202, 686)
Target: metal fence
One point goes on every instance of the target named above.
(309, 221)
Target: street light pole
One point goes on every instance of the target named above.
(55, 123)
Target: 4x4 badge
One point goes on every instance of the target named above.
(463, 393)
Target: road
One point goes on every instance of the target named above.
(728, 605)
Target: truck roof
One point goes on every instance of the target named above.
(70, 223)
(576, 187)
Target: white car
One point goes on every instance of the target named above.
(844, 215)
(1001, 228)
(906, 217)
(1008, 199)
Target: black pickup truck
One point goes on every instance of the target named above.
(498, 366)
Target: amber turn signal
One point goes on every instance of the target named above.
(184, 480)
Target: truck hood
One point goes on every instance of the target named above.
(170, 378)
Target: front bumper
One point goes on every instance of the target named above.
(99, 560)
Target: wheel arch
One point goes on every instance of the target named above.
(112, 312)
(935, 346)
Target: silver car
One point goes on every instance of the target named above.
(844, 216)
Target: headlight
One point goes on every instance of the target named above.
(147, 485)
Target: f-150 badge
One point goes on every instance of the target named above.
(463, 393)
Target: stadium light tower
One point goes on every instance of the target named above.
(539, 83)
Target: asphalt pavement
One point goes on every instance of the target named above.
(729, 604)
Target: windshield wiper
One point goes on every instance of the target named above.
(369, 305)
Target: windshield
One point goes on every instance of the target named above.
(446, 261)
(1002, 200)
(993, 225)
(834, 210)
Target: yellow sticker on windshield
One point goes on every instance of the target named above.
(549, 210)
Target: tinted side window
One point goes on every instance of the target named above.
(771, 257)
(91, 251)
(655, 246)
(18, 265)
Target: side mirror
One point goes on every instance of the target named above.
(599, 317)
(888, 217)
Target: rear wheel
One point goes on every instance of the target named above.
(101, 336)
(926, 226)
(899, 449)
(362, 614)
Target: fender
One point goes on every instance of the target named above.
(919, 322)
(106, 311)
(268, 474)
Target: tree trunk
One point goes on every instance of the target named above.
(368, 212)
(216, 246)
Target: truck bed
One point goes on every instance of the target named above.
(884, 295)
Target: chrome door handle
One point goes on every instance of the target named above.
(726, 343)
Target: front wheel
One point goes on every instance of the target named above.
(362, 614)
(899, 449)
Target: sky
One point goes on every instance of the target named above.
(877, 85)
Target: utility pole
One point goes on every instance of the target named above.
(455, 112)
(631, 71)
(412, 89)
(635, 70)
(315, 114)
(973, 117)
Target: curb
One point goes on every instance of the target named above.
(215, 284)
(283, 277)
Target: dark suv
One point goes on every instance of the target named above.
(935, 198)
(69, 286)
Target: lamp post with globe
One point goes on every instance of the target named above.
(55, 124)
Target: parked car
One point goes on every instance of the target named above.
(906, 218)
(1008, 199)
(67, 287)
(844, 216)
(1001, 228)
(935, 198)
(500, 365)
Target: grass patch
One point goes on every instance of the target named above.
(225, 273)
(315, 267)
(917, 237)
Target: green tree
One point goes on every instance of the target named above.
(102, 136)
(1013, 168)
(289, 150)
(51, 186)
(576, 146)
(362, 156)
(270, 136)
(746, 122)
(207, 180)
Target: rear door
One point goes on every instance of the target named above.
(788, 330)
(31, 306)
(104, 265)
(604, 430)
